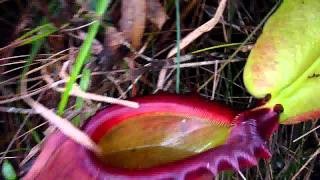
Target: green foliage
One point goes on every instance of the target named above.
(288, 45)
(285, 61)
(84, 85)
(83, 54)
(37, 33)
(8, 171)
(178, 45)
(216, 47)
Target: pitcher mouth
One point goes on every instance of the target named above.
(245, 128)
(241, 149)
(239, 145)
(159, 132)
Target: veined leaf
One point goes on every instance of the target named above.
(8, 171)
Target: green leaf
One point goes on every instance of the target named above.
(216, 47)
(37, 34)
(82, 55)
(289, 44)
(177, 3)
(84, 85)
(8, 171)
(285, 61)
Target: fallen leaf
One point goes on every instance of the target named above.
(56, 42)
(132, 22)
(156, 13)
(114, 39)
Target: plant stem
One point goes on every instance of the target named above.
(178, 45)
(83, 54)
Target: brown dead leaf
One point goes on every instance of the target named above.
(156, 13)
(113, 52)
(132, 22)
(56, 43)
(114, 39)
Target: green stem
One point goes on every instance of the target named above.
(178, 46)
(83, 54)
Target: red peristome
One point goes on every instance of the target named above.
(63, 158)
(267, 119)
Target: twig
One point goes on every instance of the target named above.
(191, 37)
(32, 129)
(77, 28)
(76, 91)
(241, 175)
(29, 94)
(307, 133)
(242, 44)
(17, 110)
(305, 164)
(14, 138)
(215, 80)
(200, 30)
(202, 63)
(64, 126)
(114, 81)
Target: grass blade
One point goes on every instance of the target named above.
(83, 54)
(178, 45)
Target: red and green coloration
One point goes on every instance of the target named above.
(169, 136)
(180, 137)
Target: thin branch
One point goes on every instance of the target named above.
(305, 164)
(209, 25)
(66, 127)
(307, 133)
